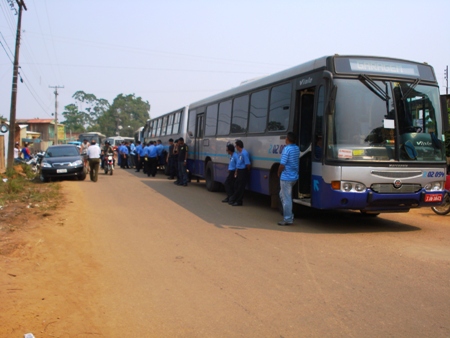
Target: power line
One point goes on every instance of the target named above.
(7, 53)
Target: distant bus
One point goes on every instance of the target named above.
(370, 132)
(98, 137)
(116, 141)
(139, 135)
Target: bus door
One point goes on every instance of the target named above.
(198, 151)
(305, 113)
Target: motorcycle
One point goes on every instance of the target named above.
(34, 163)
(108, 164)
(444, 208)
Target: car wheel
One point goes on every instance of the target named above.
(82, 177)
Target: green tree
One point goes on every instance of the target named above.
(75, 120)
(126, 114)
(3, 119)
(93, 107)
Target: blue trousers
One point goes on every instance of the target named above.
(286, 199)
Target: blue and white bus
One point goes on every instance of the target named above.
(168, 126)
(370, 132)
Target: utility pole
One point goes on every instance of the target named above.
(12, 117)
(56, 112)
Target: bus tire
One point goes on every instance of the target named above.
(211, 185)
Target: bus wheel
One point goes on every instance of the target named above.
(211, 185)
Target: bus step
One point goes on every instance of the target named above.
(303, 201)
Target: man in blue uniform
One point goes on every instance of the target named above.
(123, 152)
(242, 174)
(152, 158)
(288, 173)
(137, 157)
(229, 182)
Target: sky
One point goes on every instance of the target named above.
(175, 52)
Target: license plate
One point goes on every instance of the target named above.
(433, 198)
(61, 171)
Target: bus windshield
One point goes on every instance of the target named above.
(378, 120)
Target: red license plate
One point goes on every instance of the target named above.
(433, 198)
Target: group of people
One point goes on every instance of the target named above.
(239, 167)
(238, 173)
(23, 153)
(152, 154)
(149, 155)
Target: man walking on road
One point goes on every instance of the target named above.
(93, 154)
(288, 174)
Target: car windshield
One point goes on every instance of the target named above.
(378, 120)
(62, 152)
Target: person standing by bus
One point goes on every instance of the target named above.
(152, 158)
(137, 156)
(182, 152)
(170, 161)
(242, 174)
(123, 152)
(132, 156)
(288, 174)
(230, 180)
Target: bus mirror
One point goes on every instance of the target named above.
(328, 75)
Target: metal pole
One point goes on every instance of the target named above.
(12, 117)
(55, 137)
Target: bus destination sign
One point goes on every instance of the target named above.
(389, 67)
(368, 65)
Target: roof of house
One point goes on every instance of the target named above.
(29, 121)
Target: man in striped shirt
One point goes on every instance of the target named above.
(288, 174)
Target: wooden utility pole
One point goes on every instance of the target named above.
(55, 140)
(12, 117)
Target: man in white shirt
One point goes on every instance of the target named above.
(17, 151)
(93, 154)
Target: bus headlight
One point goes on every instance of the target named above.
(347, 186)
(434, 186)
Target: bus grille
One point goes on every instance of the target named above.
(388, 188)
(397, 174)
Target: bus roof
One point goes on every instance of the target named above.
(417, 69)
(280, 76)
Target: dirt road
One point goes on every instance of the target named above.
(131, 256)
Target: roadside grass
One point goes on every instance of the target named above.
(17, 186)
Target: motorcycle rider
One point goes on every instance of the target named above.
(107, 149)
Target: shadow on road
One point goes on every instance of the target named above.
(256, 212)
